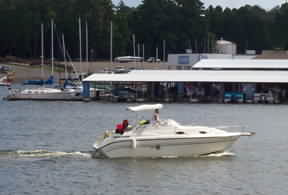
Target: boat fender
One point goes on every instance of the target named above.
(134, 143)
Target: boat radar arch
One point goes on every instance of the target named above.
(145, 107)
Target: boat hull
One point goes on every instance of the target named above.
(45, 97)
(166, 147)
(5, 84)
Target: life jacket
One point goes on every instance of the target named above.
(119, 128)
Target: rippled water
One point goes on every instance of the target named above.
(44, 149)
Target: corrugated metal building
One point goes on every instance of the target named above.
(209, 78)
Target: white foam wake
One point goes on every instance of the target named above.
(218, 155)
(45, 153)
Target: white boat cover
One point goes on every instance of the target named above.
(3, 79)
(145, 107)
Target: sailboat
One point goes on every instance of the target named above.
(50, 79)
(45, 93)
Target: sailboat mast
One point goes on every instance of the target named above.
(87, 47)
(143, 50)
(42, 51)
(52, 46)
(64, 56)
(111, 42)
(134, 49)
(80, 46)
(164, 51)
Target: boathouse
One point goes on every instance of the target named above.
(225, 80)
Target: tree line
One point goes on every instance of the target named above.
(179, 24)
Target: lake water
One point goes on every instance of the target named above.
(44, 149)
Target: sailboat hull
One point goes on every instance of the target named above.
(47, 94)
(45, 97)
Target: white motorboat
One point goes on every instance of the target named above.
(44, 93)
(166, 138)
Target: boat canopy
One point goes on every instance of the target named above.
(145, 107)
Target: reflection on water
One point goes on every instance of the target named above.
(39, 143)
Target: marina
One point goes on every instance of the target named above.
(209, 81)
(45, 149)
(170, 97)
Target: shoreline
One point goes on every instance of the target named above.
(25, 71)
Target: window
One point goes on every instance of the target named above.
(183, 59)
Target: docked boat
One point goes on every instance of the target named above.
(4, 81)
(164, 138)
(44, 93)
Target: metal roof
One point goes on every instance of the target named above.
(241, 64)
(231, 76)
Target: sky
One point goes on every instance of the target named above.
(266, 4)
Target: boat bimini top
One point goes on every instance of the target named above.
(145, 107)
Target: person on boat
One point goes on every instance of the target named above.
(119, 128)
(122, 127)
(156, 117)
(125, 125)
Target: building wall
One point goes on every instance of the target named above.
(186, 61)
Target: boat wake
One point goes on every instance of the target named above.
(16, 154)
(219, 155)
(42, 154)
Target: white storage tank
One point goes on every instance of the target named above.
(226, 47)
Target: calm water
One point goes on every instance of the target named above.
(44, 150)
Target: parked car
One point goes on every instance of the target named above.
(265, 98)
(233, 97)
